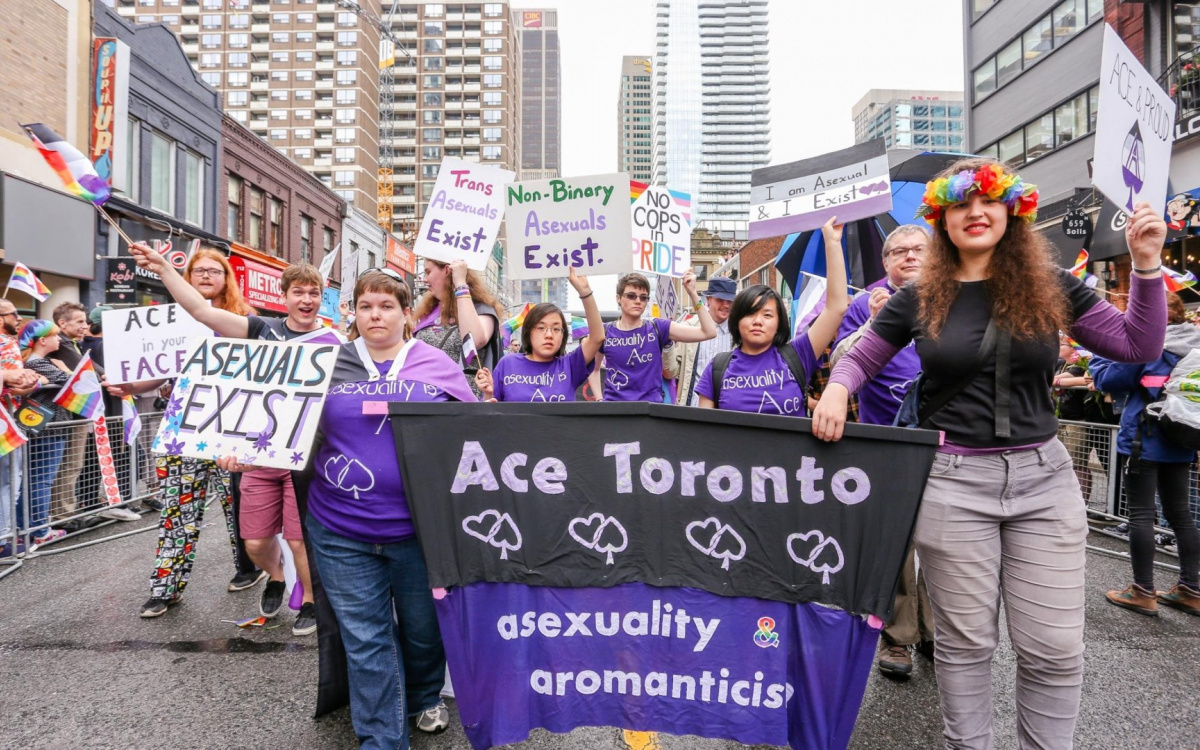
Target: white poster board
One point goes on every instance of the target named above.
(580, 222)
(349, 279)
(257, 400)
(662, 230)
(1134, 130)
(463, 216)
(147, 343)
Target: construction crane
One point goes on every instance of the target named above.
(389, 46)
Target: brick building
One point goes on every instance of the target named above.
(274, 213)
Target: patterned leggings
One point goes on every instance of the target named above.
(185, 485)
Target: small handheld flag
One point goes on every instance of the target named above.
(81, 393)
(72, 167)
(579, 327)
(1177, 282)
(1079, 270)
(470, 357)
(11, 436)
(133, 420)
(24, 280)
(327, 263)
(509, 328)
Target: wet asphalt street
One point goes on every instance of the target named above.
(79, 668)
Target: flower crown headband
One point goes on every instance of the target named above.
(991, 180)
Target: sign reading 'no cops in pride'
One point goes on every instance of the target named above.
(580, 222)
(463, 216)
(662, 230)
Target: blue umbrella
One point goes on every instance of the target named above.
(862, 240)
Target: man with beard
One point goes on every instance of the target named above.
(17, 382)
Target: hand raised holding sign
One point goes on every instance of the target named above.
(458, 272)
(1145, 233)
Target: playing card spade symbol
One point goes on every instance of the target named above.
(495, 528)
(1133, 166)
(345, 474)
(717, 540)
(601, 533)
(825, 547)
(617, 379)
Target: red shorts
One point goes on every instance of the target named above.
(268, 505)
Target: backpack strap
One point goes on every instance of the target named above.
(789, 354)
(720, 364)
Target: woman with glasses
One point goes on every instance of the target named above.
(633, 348)
(543, 370)
(760, 374)
(459, 304)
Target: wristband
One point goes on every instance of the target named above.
(697, 306)
(1156, 269)
(589, 294)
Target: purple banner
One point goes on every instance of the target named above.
(676, 660)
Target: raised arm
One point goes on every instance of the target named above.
(221, 321)
(481, 327)
(690, 334)
(595, 337)
(837, 299)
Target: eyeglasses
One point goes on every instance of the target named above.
(636, 297)
(208, 273)
(543, 330)
(900, 252)
(14, 313)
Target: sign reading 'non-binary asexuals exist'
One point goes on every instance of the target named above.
(257, 400)
(463, 216)
(850, 184)
(622, 559)
(662, 230)
(560, 224)
(147, 343)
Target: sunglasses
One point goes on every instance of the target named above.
(636, 297)
(393, 275)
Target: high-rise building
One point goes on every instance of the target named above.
(635, 138)
(457, 95)
(303, 76)
(711, 105)
(925, 120)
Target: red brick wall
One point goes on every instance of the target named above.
(1128, 20)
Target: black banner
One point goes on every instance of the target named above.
(577, 495)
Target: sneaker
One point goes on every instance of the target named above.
(53, 535)
(120, 514)
(243, 581)
(1182, 598)
(156, 607)
(306, 620)
(925, 648)
(1135, 598)
(895, 661)
(435, 719)
(272, 598)
(152, 504)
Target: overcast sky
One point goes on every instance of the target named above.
(824, 57)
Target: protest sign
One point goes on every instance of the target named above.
(662, 230)
(349, 278)
(555, 225)
(147, 343)
(1134, 130)
(666, 298)
(463, 216)
(104, 456)
(850, 184)
(257, 400)
(665, 572)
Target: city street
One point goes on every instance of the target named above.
(78, 668)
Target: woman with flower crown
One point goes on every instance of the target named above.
(1002, 516)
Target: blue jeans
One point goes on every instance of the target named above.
(396, 664)
(45, 455)
(10, 489)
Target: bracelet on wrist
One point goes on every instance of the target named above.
(589, 294)
(1156, 269)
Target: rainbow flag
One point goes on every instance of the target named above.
(1079, 270)
(1177, 282)
(133, 420)
(513, 324)
(73, 168)
(82, 394)
(683, 200)
(24, 280)
(11, 436)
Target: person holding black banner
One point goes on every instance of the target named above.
(633, 349)
(543, 370)
(360, 531)
(767, 371)
(475, 311)
(1002, 516)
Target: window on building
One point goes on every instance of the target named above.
(239, 80)
(304, 37)
(492, 98)
(492, 81)
(343, 177)
(210, 60)
(210, 41)
(343, 155)
(346, 96)
(279, 37)
(162, 173)
(493, 45)
(256, 239)
(279, 95)
(302, 134)
(491, 153)
(347, 57)
(433, 46)
(238, 41)
(1008, 63)
(210, 21)
(328, 247)
(985, 79)
(282, 114)
(431, 153)
(304, 75)
(435, 10)
(275, 219)
(239, 20)
(343, 135)
(432, 82)
(493, 62)
(233, 210)
(430, 171)
(282, 57)
(491, 135)
(347, 77)
(347, 20)
(1012, 147)
(347, 38)
(978, 7)
(306, 230)
(278, 135)
(1069, 19)
(344, 115)
(431, 135)
(133, 161)
(302, 153)
(212, 79)
(193, 197)
(239, 59)
(432, 116)
(493, 10)
(433, 63)
(1071, 120)
(1037, 40)
(493, 27)
(491, 116)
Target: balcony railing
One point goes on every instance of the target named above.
(1181, 80)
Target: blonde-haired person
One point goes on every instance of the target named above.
(458, 303)
(1002, 517)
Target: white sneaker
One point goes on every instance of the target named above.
(434, 720)
(119, 514)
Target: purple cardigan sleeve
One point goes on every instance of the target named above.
(865, 360)
(1135, 336)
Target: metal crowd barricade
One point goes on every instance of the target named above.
(60, 484)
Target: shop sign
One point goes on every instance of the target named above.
(260, 284)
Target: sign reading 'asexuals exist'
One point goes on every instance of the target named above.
(850, 184)
(463, 216)
(621, 561)
(560, 224)
(257, 400)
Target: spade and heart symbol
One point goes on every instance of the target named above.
(603, 534)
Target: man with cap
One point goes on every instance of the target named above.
(691, 359)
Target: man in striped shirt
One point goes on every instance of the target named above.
(691, 359)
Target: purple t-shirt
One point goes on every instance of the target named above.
(518, 378)
(880, 397)
(634, 361)
(357, 491)
(763, 383)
